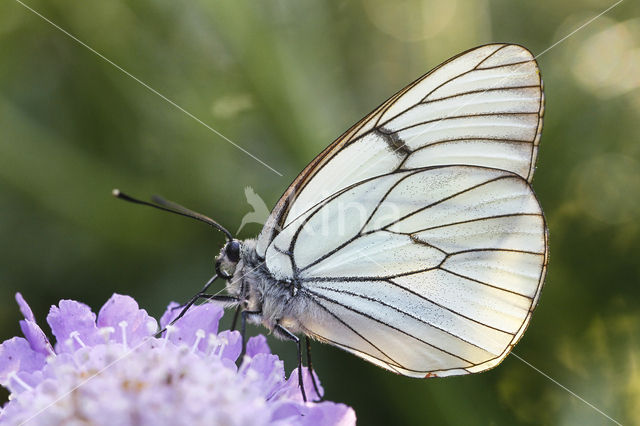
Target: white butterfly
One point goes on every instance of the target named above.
(439, 271)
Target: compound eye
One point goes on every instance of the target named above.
(233, 251)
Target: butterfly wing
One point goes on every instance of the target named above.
(415, 238)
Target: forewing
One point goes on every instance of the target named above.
(483, 107)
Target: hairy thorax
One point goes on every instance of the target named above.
(273, 301)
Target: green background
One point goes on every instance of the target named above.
(283, 79)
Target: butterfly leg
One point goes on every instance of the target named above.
(310, 367)
(283, 332)
(243, 329)
(193, 300)
(234, 323)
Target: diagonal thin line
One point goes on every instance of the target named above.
(151, 89)
(578, 29)
(565, 388)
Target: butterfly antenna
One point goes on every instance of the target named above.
(171, 207)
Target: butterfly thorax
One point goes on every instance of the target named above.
(260, 292)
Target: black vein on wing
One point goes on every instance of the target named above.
(452, 79)
(479, 219)
(477, 91)
(464, 116)
(481, 139)
(414, 272)
(483, 283)
(309, 217)
(365, 277)
(353, 330)
(491, 54)
(457, 95)
(420, 320)
(471, 188)
(330, 198)
(472, 365)
(424, 298)
(430, 145)
(461, 74)
(362, 233)
(316, 295)
(393, 367)
(510, 250)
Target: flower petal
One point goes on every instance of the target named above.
(170, 313)
(31, 330)
(292, 390)
(201, 317)
(328, 413)
(24, 308)
(36, 337)
(16, 356)
(267, 365)
(257, 345)
(268, 372)
(233, 347)
(119, 308)
(285, 410)
(69, 317)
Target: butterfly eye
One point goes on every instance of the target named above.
(233, 251)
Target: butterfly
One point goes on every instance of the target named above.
(415, 240)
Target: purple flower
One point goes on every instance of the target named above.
(110, 369)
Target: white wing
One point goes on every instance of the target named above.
(416, 239)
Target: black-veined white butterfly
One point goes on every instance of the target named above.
(415, 240)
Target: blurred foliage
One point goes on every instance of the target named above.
(283, 79)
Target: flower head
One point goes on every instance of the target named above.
(111, 369)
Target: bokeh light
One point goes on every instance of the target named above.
(608, 61)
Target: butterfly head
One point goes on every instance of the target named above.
(228, 259)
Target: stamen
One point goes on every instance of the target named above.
(212, 344)
(13, 375)
(106, 333)
(75, 335)
(123, 326)
(200, 333)
(245, 364)
(223, 343)
(169, 328)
